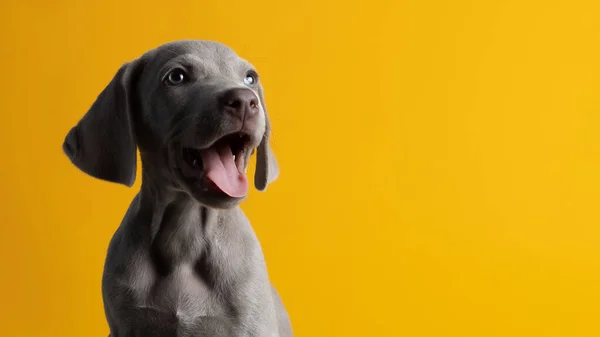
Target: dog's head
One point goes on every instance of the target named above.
(196, 112)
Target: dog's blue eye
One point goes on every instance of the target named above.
(176, 77)
(250, 79)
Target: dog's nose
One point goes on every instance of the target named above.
(240, 102)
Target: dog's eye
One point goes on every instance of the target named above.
(176, 77)
(250, 79)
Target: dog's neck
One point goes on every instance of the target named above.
(173, 210)
(180, 228)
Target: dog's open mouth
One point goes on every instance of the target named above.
(223, 163)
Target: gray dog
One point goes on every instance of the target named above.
(185, 260)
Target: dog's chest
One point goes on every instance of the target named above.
(212, 282)
(181, 301)
(197, 281)
(189, 289)
(189, 295)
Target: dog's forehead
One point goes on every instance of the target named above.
(213, 56)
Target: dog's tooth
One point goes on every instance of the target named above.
(195, 162)
(234, 157)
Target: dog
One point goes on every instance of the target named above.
(184, 260)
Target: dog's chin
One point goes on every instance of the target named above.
(214, 199)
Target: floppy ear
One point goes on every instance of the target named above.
(267, 169)
(102, 144)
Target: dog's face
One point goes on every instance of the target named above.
(204, 113)
(196, 112)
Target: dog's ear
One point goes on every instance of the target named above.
(267, 169)
(102, 144)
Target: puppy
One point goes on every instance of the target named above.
(185, 260)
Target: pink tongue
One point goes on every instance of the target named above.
(221, 169)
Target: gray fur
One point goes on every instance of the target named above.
(184, 261)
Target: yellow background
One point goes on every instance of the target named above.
(440, 160)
